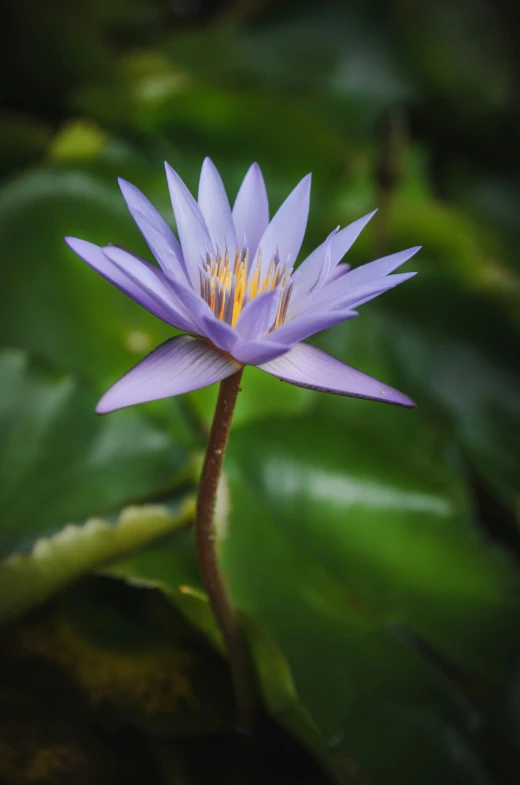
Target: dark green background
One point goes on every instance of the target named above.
(373, 550)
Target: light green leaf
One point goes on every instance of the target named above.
(54, 562)
(60, 462)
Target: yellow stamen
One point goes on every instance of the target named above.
(253, 287)
(226, 287)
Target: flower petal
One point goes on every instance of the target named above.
(150, 280)
(251, 210)
(172, 264)
(302, 327)
(340, 243)
(214, 205)
(384, 266)
(141, 208)
(286, 230)
(340, 295)
(258, 315)
(307, 366)
(311, 276)
(177, 366)
(340, 270)
(259, 351)
(160, 302)
(191, 226)
(219, 333)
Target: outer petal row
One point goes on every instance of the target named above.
(143, 282)
(185, 363)
(177, 366)
(307, 366)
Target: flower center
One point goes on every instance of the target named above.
(228, 286)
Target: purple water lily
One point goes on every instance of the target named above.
(229, 281)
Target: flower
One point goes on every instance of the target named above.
(229, 281)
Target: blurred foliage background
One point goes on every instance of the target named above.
(373, 551)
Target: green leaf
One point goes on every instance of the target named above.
(52, 303)
(54, 562)
(457, 355)
(160, 568)
(340, 547)
(60, 462)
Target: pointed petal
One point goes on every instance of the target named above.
(219, 333)
(338, 295)
(214, 205)
(312, 275)
(176, 366)
(258, 315)
(340, 270)
(302, 327)
(141, 207)
(157, 302)
(259, 351)
(191, 226)
(340, 242)
(345, 239)
(286, 231)
(307, 366)
(384, 266)
(308, 272)
(251, 210)
(150, 280)
(170, 257)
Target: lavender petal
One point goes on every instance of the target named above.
(149, 279)
(380, 267)
(219, 333)
(340, 243)
(214, 205)
(173, 266)
(339, 295)
(159, 301)
(307, 366)
(141, 208)
(258, 351)
(251, 210)
(285, 233)
(191, 226)
(177, 366)
(302, 327)
(258, 315)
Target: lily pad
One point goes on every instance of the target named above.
(60, 462)
(341, 549)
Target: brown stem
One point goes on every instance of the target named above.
(238, 656)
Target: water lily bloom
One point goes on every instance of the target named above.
(229, 282)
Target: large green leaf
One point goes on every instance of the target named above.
(457, 353)
(341, 547)
(27, 580)
(173, 569)
(52, 303)
(60, 462)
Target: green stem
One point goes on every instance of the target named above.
(205, 536)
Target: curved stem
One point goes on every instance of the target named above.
(238, 656)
